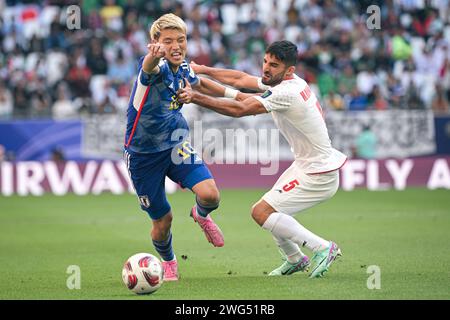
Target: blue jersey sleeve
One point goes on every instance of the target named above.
(192, 77)
(188, 73)
(145, 78)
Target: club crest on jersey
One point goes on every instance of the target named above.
(266, 94)
(145, 202)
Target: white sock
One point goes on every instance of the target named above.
(290, 249)
(286, 227)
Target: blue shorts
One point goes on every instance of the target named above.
(148, 173)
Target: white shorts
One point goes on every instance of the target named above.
(296, 191)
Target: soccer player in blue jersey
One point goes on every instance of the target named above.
(156, 141)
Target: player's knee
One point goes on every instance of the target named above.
(210, 197)
(261, 211)
(257, 214)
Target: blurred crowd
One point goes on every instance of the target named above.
(50, 66)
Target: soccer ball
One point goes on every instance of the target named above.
(143, 273)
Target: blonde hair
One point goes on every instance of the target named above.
(167, 21)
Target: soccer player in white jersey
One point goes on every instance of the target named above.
(314, 175)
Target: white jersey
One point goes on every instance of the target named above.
(298, 115)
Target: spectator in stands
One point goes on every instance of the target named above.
(107, 101)
(79, 75)
(111, 15)
(94, 20)
(366, 80)
(346, 81)
(413, 100)
(401, 49)
(95, 58)
(40, 100)
(396, 92)
(358, 101)
(6, 102)
(440, 104)
(423, 21)
(121, 71)
(334, 101)
(198, 47)
(326, 83)
(337, 50)
(379, 101)
(21, 99)
(366, 144)
(219, 43)
(56, 38)
(137, 37)
(63, 108)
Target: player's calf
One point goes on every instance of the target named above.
(162, 237)
(161, 227)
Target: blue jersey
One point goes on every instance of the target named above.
(155, 122)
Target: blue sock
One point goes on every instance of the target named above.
(203, 210)
(164, 248)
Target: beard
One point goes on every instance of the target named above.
(272, 80)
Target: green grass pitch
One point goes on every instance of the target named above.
(405, 233)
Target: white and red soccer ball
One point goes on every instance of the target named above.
(143, 273)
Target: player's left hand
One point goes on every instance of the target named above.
(198, 68)
(185, 94)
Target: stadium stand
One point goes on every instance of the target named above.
(48, 70)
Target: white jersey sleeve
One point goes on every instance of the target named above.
(277, 99)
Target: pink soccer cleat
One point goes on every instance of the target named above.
(170, 270)
(211, 230)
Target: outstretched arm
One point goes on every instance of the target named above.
(210, 88)
(215, 89)
(234, 78)
(228, 107)
(155, 52)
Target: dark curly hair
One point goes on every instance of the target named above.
(285, 51)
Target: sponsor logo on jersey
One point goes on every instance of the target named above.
(266, 94)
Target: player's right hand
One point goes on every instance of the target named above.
(156, 50)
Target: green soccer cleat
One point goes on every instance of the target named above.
(288, 268)
(322, 259)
